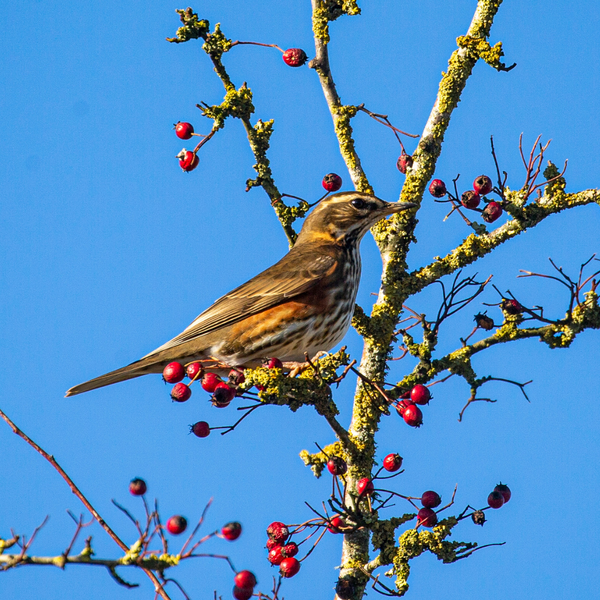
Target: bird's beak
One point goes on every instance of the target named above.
(396, 207)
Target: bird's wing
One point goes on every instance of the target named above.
(289, 277)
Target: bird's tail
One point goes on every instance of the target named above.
(151, 364)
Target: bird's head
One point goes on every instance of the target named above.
(346, 217)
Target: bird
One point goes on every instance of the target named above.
(300, 306)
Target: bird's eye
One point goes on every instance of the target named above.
(358, 203)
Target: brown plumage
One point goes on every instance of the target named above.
(302, 304)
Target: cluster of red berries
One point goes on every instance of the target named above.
(222, 393)
(427, 517)
(282, 550)
(499, 496)
(188, 160)
(244, 585)
(471, 199)
(408, 407)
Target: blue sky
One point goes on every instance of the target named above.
(109, 250)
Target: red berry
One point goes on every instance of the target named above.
(188, 161)
(236, 377)
(420, 394)
(392, 462)
(365, 487)
(482, 185)
(427, 517)
(504, 490)
(403, 405)
(200, 429)
(184, 130)
(275, 557)
(274, 363)
(223, 395)
(511, 306)
(336, 524)
(240, 593)
(290, 549)
(173, 373)
(404, 162)
(470, 199)
(278, 532)
(337, 465)
(437, 188)
(289, 567)
(232, 531)
(413, 416)
(210, 381)
(194, 370)
(495, 499)
(431, 499)
(177, 524)
(294, 57)
(271, 544)
(245, 579)
(181, 392)
(137, 487)
(492, 212)
(332, 182)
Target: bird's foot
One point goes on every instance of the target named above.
(295, 368)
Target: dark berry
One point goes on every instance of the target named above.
(278, 532)
(392, 462)
(420, 394)
(404, 162)
(345, 588)
(181, 392)
(511, 306)
(437, 188)
(482, 185)
(484, 322)
(470, 199)
(245, 579)
(478, 517)
(504, 490)
(294, 57)
(289, 567)
(173, 372)
(290, 549)
(337, 465)
(188, 161)
(431, 499)
(274, 363)
(200, 429)
(194, 371)
(427, 517)
(236, 377)
(492, 212)
(240, 593)
(275, 557)
(332, 182)
(137, 487)
(365, 487)
(223, 395)
(177, 524)
(232, 531)
(210, 381)
(184, 130)
(495, 499)
(413, 416)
